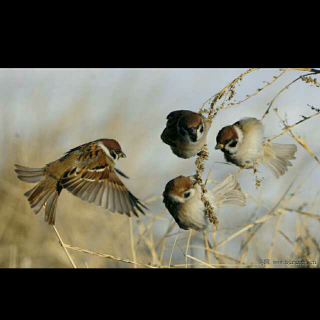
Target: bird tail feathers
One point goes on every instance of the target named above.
(44, 195)
(276, 157)
(31, 175)
(228, 192)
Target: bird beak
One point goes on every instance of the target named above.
(122, 155)
(219, 146)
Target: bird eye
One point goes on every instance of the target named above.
(226, 142)
(233, 143)
(113, 154)
(186, 195)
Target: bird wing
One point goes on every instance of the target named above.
(94, 179)
(169, 134)
(174, 211)
(252, 143)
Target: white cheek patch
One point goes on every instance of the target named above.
(176, 198)
(106, 150)
(192, 192)
(199, 134)
(239, 133)
(233, 150)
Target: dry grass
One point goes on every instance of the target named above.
(283, 228)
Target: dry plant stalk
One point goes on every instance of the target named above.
(225, 96)
(223, 100)
(228, 92)
(298, 139)
(64, 247)
(108, 256)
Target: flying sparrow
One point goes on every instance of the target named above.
(186, 133)
(243, 145)
(87, 171)
(182, 197)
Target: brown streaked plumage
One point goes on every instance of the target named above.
(87, 171)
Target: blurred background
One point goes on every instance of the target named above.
(46, 112)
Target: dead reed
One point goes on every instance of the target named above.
(85, 236)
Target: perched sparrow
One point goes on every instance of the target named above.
(182, 197)
(242, 144)
(186, 132)
(88, 172)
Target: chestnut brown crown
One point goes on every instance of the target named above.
(190, 120)
(111, 144)
(113, 147)
(225, 135)
(178, 186)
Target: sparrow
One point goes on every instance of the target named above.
(182, 198)
(87, 171)
(243, 145)
(186, 133)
